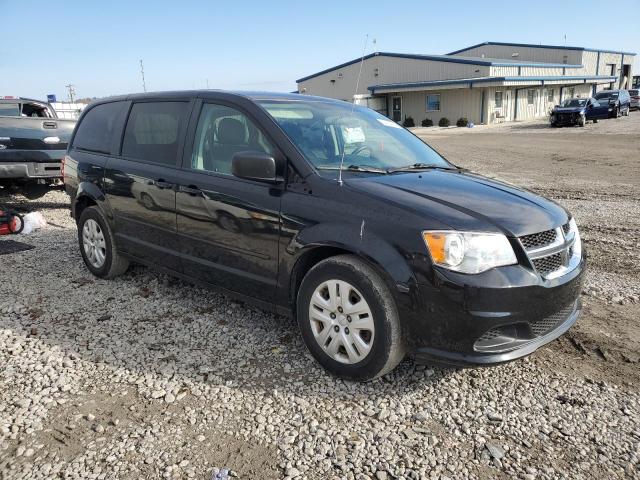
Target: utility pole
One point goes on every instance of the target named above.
(144, 85)
(72, 91)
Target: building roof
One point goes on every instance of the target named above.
(480, 80)
(492, 62)
(555, 47)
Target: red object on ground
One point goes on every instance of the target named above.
(10, 223)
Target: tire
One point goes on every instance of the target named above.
(595, 120)
(384, 341)
(113, 264)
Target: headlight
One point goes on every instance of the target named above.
(577, 244)
(469, 252)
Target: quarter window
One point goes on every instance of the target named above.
(433, 103)
(153, 131)
(9, 110)
(498, 100)
(95, 132)
(530, 96)
(221, 133)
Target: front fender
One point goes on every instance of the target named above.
(359, 240)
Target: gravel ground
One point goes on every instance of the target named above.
(147, 376)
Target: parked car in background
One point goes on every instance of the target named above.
(576, 111)
(635, 98)
(619, 101)
(33, 141)
(372, 240)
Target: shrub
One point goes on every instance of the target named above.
(427, 122)
(444, 122)
(408, 122)
(462, 122)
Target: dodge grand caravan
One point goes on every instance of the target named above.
(330, 212)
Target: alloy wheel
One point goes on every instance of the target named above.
(93, 242)
(341, 321)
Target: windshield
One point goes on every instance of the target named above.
(321, 130)
(605, 95)
(574, 102)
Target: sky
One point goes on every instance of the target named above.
(265, 45)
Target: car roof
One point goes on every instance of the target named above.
(255, 96)
(22, 100)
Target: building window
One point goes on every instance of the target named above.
(498, 100)
(433, 103)
(571, 92)
(550, 95)
(565, 59)
(530, 96)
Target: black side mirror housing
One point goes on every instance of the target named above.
(257, 166)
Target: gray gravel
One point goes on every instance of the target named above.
(147, 376)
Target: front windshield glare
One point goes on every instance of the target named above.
(322, 130)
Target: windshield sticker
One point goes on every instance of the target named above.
(388, 123)
(353, 135)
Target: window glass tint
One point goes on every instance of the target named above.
(498, 100)
(9, 110)
(433, 103)
(222, 132)
(153, 131)
(96, 130)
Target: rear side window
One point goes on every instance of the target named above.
(9, 110)
(153, 131)
(97, 128)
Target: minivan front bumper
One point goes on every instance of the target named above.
(491, 318)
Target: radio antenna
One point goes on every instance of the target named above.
(353, 105)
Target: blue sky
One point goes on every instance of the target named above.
(263, 45)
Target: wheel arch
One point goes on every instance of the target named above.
(89, 194)
(370, 248)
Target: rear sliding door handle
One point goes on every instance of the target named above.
(160, 183)
(191, 190)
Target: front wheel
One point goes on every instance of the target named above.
(97, 245)
(348, 319)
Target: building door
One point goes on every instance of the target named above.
(396, 109)
(508, 109)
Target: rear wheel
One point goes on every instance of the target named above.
(97, 245)
(348, 319)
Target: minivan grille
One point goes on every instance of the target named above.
(537, 240)
(546, 265)
(549, 250)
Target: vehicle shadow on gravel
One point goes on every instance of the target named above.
(164, 334)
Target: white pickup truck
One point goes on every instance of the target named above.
(33, 141)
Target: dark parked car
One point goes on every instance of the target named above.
(576, 111)
(635, 98)
(330, 212)
(33, 141)
(619, 101)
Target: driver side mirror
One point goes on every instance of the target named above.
(257, 166)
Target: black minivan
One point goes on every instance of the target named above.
(329, 212)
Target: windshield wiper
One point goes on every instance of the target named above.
(419, 166)
(356, 168)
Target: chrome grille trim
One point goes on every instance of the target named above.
(554, 259)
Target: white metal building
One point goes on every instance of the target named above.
(486, 83)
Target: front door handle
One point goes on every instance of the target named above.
(191, 190)
(160, 183)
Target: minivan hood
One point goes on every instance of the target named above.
(466, 201)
